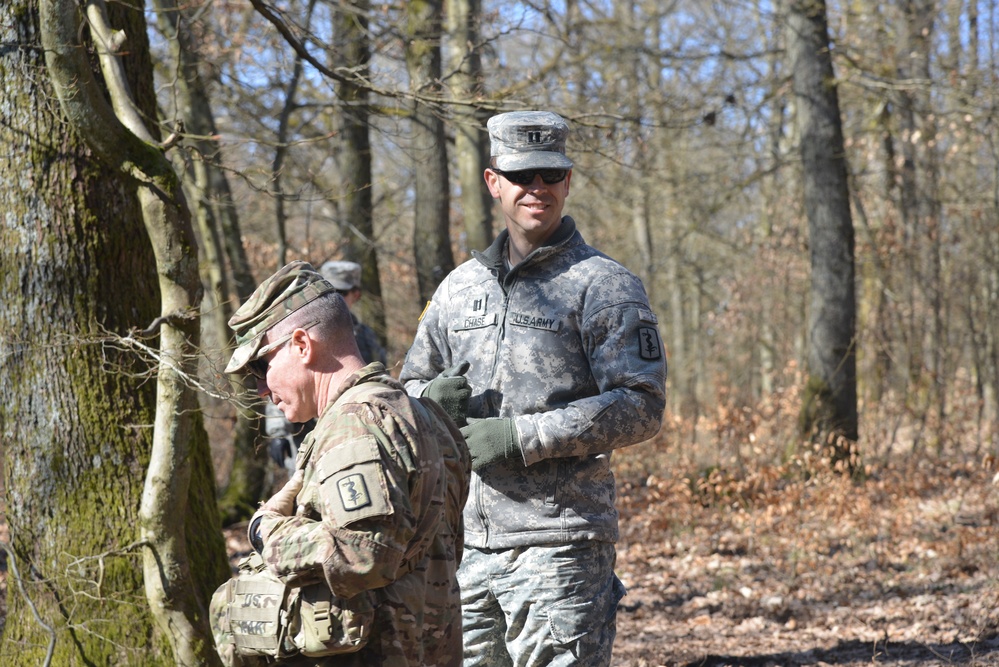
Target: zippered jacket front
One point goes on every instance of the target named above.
(566, 344)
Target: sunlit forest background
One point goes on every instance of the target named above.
(686, 171)
(323, 129)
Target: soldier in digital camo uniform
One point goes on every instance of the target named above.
(564, 363)
(374, 508)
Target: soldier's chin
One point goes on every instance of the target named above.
(294, 414)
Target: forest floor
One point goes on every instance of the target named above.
(800, 565)
(796, 564)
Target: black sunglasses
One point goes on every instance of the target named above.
(526, 177)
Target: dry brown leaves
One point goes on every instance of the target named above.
(799, 564)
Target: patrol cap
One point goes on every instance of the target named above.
(521, 140)
(342, 275)
(290, 288)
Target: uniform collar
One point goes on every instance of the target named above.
(492, 257)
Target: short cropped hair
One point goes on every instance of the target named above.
(328, 316)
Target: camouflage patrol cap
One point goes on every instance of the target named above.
(342, 275)
(521, 140)
(293, 286)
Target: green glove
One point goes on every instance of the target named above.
(450, 390)
(491, 440)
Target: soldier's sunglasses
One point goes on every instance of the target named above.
(526, 177)
(258, 367)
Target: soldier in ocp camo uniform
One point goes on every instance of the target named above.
(560, 351)
(286, 438)
(374, 508)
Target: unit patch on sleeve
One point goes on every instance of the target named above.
(353, 492)
(649, 345)
(359, 492)
(353, 485)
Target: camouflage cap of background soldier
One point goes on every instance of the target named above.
(290, 288)
(521, 140)
(342, 275)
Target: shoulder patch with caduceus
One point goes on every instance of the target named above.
(352, 481)
(353, 492)
(649, 345)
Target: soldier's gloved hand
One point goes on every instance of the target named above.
(450, 390)
(283, 502)
(491, 440)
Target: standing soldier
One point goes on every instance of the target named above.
(358, 551)
(564, 364)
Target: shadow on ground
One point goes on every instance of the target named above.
(852, 652)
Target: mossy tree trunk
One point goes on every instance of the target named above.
(79, 407)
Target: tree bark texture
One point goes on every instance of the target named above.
(471, 141)
(78, 408)
(179, 468)
(830, 405)
(431, 234)
(354, 53)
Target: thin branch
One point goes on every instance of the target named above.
(12, 561)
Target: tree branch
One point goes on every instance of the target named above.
(12, 561)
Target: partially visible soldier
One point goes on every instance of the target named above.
(285, 438)
(346, 279)
(373, 510)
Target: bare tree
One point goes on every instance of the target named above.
(829, 410)
(351, 26)
(427, 147)
(207, 187)
(471, 142)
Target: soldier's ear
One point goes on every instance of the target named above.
(492, 182)
(302, 346)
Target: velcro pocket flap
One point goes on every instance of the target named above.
(353, 481)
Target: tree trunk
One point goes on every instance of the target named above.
(829, 411)
(179, 469)
(919, 149)
(471, 141)
(78, 407)
(75, 414)
(431, 233)
(355, 159)
(218, 223)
